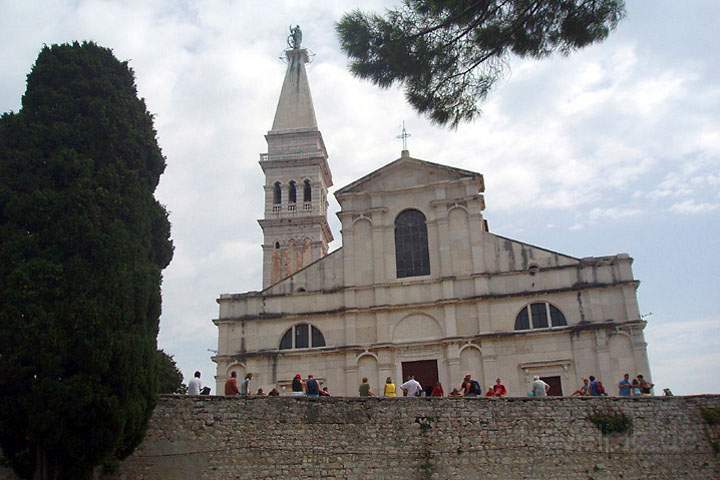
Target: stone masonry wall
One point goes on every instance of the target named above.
(424, 438)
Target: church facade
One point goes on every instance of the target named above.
(420, 285)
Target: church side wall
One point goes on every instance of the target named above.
(260, 437)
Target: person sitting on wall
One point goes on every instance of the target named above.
(325, 392)
(584, 390)
(245, 385)
(260, 392)
(273, 393)
(437, 390)
(389, 390)
(624, 386)
(490, 392)
(470, 387)
(539, 388)
(195, 385)
(596, 387)
(364, 388)
(231, 386)
(312, 387)
(411, 388)
(455, 393)
(298, 386)
(645, 386)
(499, 389)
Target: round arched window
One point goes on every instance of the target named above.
(302, 335)
(539, 315)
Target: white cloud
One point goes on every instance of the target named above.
(613, 213)
(681, 353)
(691, 207)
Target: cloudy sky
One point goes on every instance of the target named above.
(613, 149)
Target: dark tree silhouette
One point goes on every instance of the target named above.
(170, 378)
(83, 242)
(449, 54)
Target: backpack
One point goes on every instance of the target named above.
(475, 387)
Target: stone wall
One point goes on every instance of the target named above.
(514, 438)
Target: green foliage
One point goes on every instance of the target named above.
(170, 378)
(711, 415)
(611, 422)
(448, 54)
(425, 423)
(82, 246)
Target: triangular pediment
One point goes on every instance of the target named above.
(407, 172)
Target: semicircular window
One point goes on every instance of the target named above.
(539, 315)
(411, 244)
(302, 335)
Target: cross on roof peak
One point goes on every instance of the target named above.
(404, 136)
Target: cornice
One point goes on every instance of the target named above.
(609, 325)
(407, 306)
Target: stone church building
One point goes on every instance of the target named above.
(420, 285)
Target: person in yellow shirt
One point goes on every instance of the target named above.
(389, 388)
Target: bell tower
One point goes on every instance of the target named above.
(297, 177)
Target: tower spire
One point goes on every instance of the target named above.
(295, 108)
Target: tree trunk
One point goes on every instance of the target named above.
(44, 470)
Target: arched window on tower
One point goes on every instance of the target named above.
(307, 191)
(292, 192)
(411, 244)
(277, 194)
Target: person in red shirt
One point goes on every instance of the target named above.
(437, 391)
(231, 386)
(499, 389)
(490, 392)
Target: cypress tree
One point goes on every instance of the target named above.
(83, 244)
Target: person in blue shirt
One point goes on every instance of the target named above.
(596, 388)
(312, 387)
(625, 386)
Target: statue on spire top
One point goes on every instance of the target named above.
(295, 38)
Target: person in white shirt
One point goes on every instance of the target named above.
(411, 387)
(245, 385)
(195, 385)
(539, 388)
